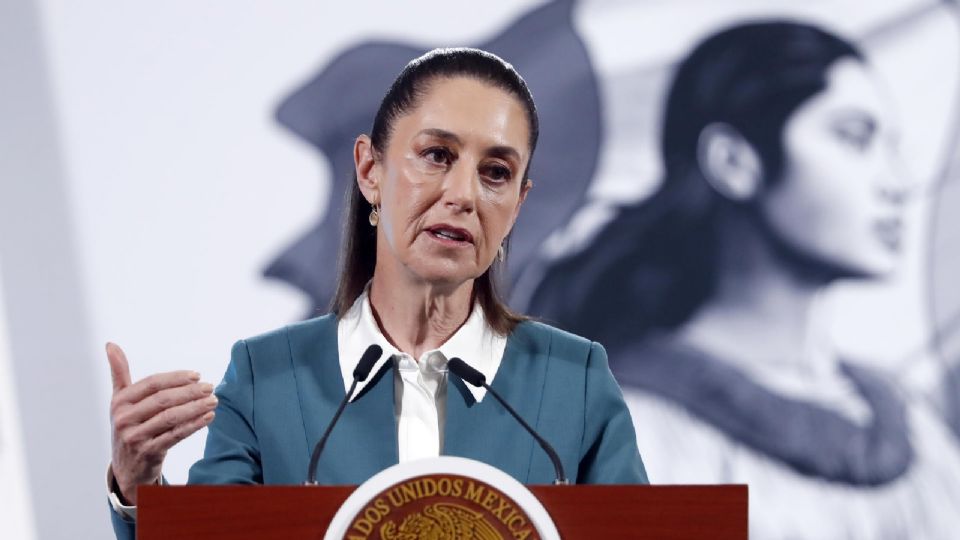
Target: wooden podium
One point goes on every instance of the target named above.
(586, 511)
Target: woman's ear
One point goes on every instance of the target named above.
(729, 162)
(367, 168)
(524, 190)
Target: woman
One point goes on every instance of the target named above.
(439, 183)
(780, 179)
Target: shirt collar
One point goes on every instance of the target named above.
(475, 343)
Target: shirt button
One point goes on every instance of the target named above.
(406, 363)
(437, 362)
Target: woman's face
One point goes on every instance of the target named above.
(840, 199)
(449, 183)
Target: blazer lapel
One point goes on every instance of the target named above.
(364, 441)
(485, 431)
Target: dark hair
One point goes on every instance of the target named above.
(659, 257)
(359, 248)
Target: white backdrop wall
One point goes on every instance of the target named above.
(146, 185)
(53, 377)
(16, 512)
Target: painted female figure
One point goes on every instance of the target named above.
(781, 178)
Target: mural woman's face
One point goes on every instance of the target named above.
(840, 200)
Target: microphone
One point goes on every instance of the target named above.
(360, 373)
(475, 378)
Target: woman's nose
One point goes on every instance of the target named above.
(460, 188)
(895, 191)
(896, 185)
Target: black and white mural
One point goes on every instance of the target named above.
(753, 213)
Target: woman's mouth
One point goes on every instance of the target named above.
(890, 233)
(453, 236)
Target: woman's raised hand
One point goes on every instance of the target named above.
(149, 417)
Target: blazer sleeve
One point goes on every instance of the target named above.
(232, 453)
(609, 453)
(123, 528)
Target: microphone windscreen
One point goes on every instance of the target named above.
(466, 372)
(369, 358)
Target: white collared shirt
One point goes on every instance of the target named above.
(419, 386)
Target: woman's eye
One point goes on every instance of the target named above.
(498, 173)
(858, 141)
(438, 155)
(857, 135)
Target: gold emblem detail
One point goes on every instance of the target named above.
(441, 521)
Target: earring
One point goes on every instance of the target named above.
(374, 217)
(500, 254)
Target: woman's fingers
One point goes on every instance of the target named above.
(167, 439)
(154, 404)
(153, 384)
(119, 368)
(170, 419)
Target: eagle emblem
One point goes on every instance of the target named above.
(441, 521)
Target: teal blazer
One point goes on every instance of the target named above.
(282, 388)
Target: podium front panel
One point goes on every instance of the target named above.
(580, 512)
